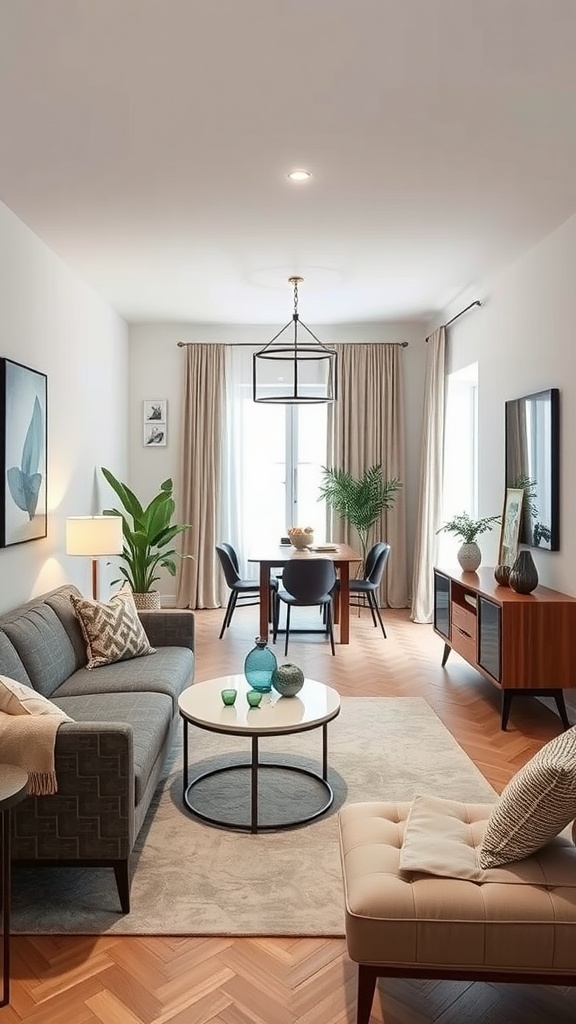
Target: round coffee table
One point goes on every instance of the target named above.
(312, 708)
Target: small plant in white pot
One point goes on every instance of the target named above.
(468, 529)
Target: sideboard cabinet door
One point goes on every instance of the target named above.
(442, 604)
(489, 631)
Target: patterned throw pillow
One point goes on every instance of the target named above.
(535, 805)
(112, 631)
(18, 699)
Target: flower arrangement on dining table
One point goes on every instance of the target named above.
(301, 536)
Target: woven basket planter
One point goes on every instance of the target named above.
(148, 602)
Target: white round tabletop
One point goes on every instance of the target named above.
(201, 704)
(13, 782)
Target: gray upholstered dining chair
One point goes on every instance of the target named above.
(306, 582)
(367, 585)
(239, 587)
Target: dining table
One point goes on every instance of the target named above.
(270, 557)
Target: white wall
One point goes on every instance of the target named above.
(524, 340)
(54, 323)
(157, 369)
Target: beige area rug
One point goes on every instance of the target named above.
(193, 879)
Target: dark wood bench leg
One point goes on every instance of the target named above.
(561, 705)
(367, 977)
(122, 874)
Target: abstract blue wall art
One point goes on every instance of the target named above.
(23, 453)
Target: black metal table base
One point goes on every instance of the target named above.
(5, 891)
(254, 766)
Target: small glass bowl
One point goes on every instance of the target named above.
(254, 697)
(228, 697)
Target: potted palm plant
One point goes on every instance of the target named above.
(148, 534)
(468, 529)
(360, 501)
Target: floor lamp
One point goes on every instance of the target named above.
(93, 536)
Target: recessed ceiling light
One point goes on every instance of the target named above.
(299, 175)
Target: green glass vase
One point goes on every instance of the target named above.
(259, 665)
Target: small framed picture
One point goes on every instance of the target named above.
(510, 529)
(154, 435)
(155, 410)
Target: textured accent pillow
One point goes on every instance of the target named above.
(535, 805)
(112, 631)
(18, 699)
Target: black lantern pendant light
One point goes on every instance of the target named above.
(297, 373)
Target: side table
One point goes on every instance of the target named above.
(12, 790)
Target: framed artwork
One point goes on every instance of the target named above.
(155, 412)
(510, 529)
(154, 435)
(23, 453)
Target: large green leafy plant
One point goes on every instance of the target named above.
(360, 501)
(148, 533)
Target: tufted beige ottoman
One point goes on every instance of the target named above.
(425, 926)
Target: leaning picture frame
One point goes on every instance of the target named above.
(23, 453)
(510, 528)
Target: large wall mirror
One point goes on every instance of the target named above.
(533, 463)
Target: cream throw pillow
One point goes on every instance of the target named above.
(112, 631)
(535, 805)
(443, 837)
(18, 699)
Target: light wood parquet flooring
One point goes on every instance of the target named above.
(162, 980)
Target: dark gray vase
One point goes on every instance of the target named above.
(524, 575)
(502, 575)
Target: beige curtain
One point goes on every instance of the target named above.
(202, 434)
(366, 427)
(431, 474)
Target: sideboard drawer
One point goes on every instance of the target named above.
(464, 644)
(463, 619)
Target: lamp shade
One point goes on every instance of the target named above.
(94, 535)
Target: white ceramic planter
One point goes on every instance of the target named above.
(469, 556)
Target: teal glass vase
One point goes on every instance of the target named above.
(259, 666)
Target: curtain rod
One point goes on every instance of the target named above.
(255, 344)
(475, 303)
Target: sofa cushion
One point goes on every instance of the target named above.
(43, 645)
(11, 662)
(149, 714)
(538, 802)
(112, 631)
(169, 671)
(59, 600)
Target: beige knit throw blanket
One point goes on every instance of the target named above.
(28, 741)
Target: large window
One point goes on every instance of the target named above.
(272, 465)
(284, 450)
(460, 490)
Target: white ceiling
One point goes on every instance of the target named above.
(147, 142)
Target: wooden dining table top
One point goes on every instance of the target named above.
(279, 554)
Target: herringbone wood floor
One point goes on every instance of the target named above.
(152, 980)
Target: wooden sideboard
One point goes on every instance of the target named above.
(523, 643)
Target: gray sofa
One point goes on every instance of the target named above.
(110, 757)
